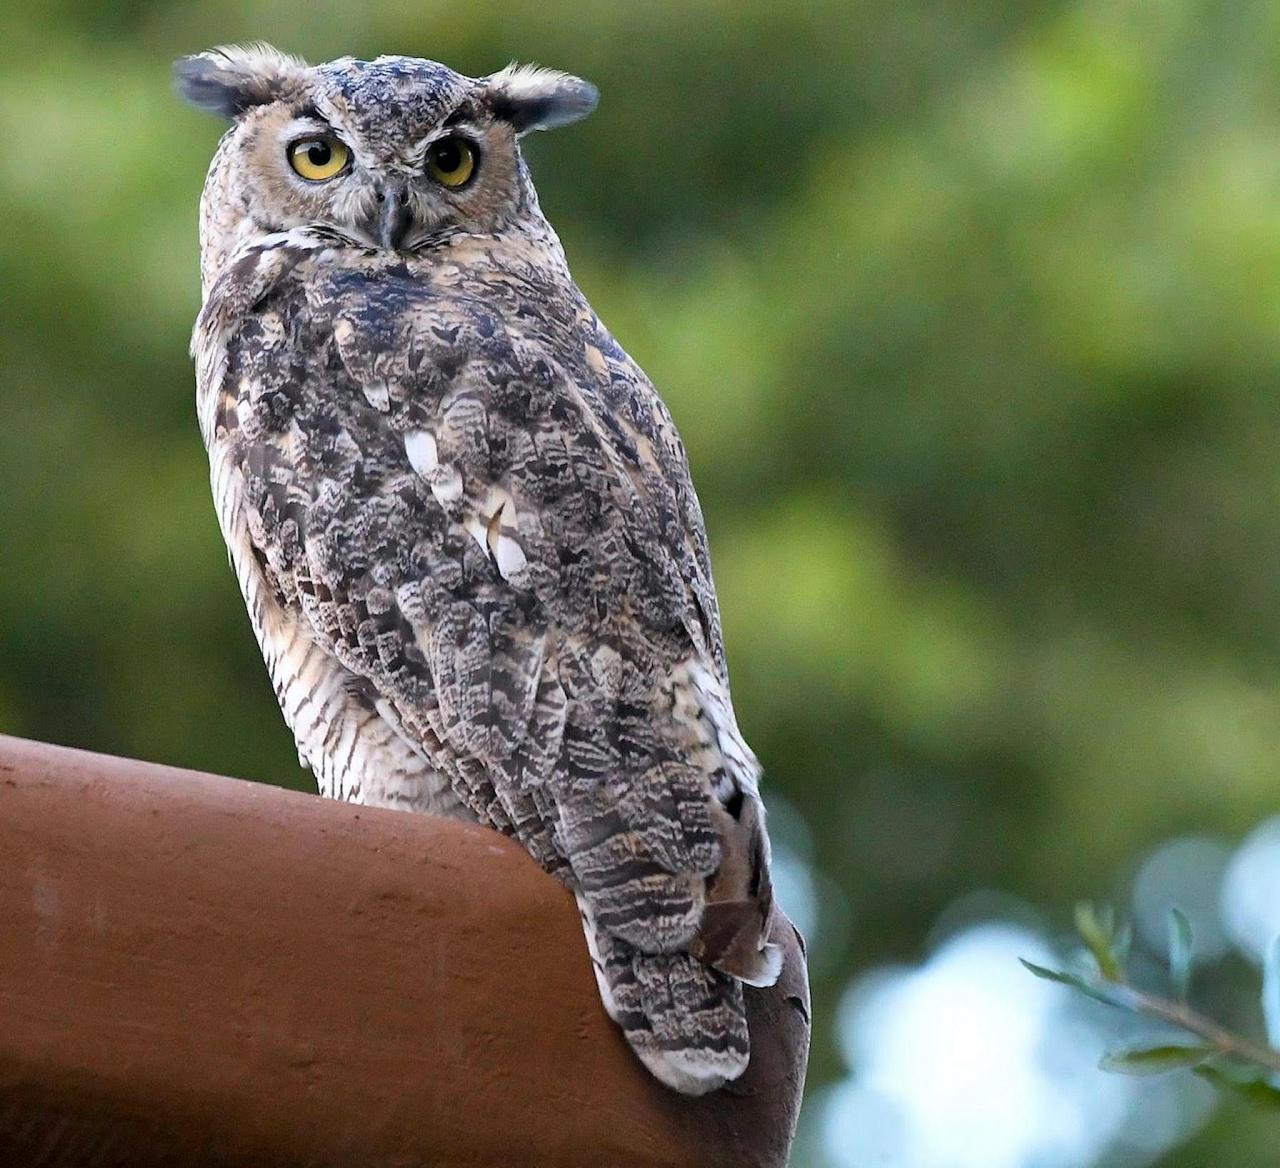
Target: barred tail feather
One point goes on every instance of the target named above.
(730, 939)
(733, 933)
(685, 1021)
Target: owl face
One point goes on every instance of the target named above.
(394, 154)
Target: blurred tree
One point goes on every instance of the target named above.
(969, 314)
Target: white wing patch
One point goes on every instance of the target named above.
(509, 556)
(424, 457)
(378, 395)
(494, 528)
(492, 525)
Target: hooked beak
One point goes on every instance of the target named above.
(393, 215)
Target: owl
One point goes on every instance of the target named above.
(462, 519)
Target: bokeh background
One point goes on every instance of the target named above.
(970, 316)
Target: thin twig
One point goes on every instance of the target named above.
(1222, 1040)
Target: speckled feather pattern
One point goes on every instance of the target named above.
(464, 527)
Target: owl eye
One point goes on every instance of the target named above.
(451, 161)
(320, 158)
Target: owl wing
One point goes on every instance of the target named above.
(484, 513)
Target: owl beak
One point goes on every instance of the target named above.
(394, 216)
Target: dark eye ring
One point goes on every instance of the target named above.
(451, 161)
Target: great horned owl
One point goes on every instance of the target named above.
(463, 523)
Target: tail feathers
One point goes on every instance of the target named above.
(731, 939)
(733, 932)
(685, 1021)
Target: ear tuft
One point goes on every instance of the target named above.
(233, 78)
(532, 98)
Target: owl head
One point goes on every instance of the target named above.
(397, 154)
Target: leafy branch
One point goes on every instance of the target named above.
(1204, 1046)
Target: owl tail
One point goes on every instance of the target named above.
(685, 1021)
(737, 915)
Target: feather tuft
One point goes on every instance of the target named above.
(230, 79)
(533, 98)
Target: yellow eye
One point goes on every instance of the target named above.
(320, 158)
(451, 161)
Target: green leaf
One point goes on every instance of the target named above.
(1180, 949)
(1055, 975)
(1154, 1060)
(1097, 929)
(1271, 992)
(1121, 943)
(1253, 1082)
(1110, 995)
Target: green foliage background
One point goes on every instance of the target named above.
(969, 314)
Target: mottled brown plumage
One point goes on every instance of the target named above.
(463, 522)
